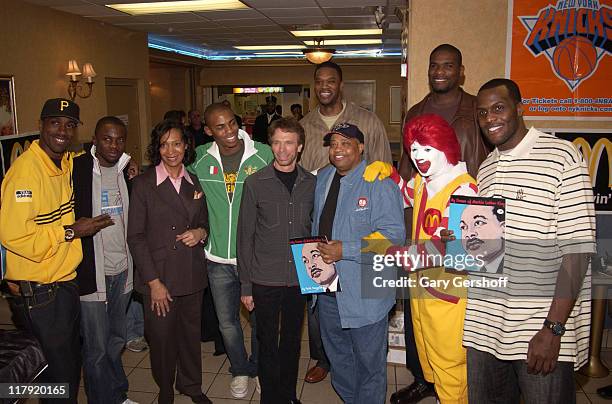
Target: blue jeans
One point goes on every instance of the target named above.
(496, 381)
(135, 318)
(358, 356)
(225, 287)
(53, 318)
(103, 328)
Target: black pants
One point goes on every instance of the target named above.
(53, 317)
(280, 311)
(412, 356)
(210, 322)
(174, 342)
(315, 343)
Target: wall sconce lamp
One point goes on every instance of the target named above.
(318, 54)
(74, 88)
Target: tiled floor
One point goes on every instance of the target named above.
(216, 377)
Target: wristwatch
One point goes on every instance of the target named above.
(68, 233)
(557, 328)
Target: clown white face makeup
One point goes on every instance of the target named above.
(430, 161)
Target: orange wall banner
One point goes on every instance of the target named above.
(559, 53)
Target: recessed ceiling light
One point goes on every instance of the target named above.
(337, 32)
(177, 6)
(328, 42)
(269, 47)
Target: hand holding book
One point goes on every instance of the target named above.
(447, 235)
(331, 251)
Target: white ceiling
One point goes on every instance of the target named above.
(267, 22)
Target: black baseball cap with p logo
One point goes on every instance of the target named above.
(60, 107)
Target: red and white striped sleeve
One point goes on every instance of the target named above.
(406, 187)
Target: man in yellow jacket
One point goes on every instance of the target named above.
(42, 238)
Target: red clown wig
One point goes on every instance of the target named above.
(432, 130)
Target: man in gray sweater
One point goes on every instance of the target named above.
(276, 206)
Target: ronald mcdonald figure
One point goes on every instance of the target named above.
(437, 312)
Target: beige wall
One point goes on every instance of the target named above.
(170, 89)
(386, 73)
(37, 43)
(478, 28)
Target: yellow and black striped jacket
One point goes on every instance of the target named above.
(37, 201)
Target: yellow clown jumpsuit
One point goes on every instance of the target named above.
(438, 313)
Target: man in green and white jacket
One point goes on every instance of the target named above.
(222, 166)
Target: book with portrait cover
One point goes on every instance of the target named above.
(478, 225)
(314, 275)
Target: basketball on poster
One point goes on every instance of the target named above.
(575, 58)
(560, 57)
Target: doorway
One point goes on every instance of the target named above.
(122, 101)
(249, 101)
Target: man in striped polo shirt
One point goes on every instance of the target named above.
(529, 337)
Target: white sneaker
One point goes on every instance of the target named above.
(128, 401)
(239, 386)
(137, 345)
(257, 385)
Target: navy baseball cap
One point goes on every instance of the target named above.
(60, 107)
(344, 129)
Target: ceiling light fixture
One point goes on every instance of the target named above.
(347, 42)
(318, 53)
(177, 6)
(336, 32)
(269, 47)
